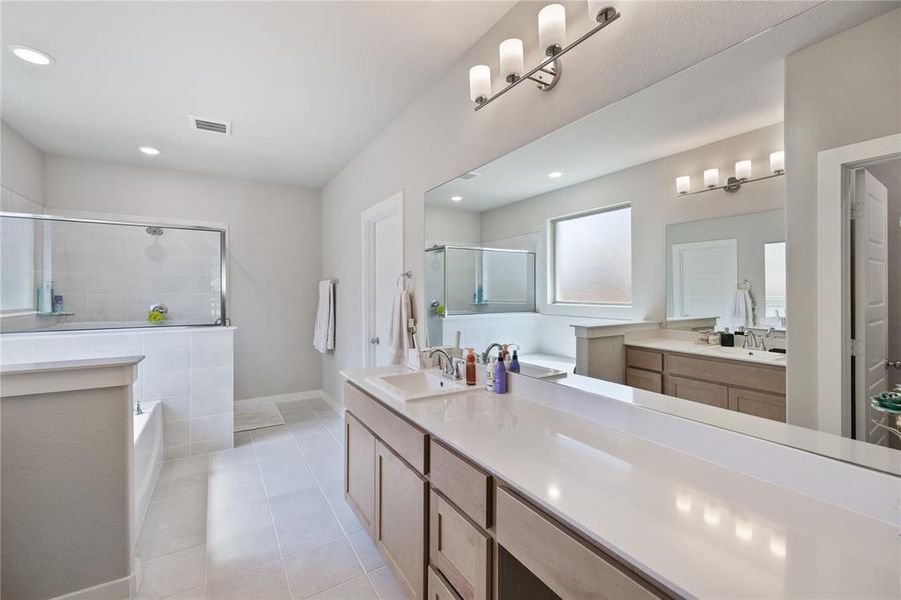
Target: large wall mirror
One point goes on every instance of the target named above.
(646, 245)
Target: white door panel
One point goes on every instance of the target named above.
(383, 262)
(871, 301)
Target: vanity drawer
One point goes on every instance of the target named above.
(644, 359)
(712, 394)
(644, 380)
(407, 440)
(459, 550)
(440, 589)
(759, 404)
(563, 562)
(463, 483)
(729, 372)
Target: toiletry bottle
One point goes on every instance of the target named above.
(500, 378)
(514, 363)
(727, 339)
(489, 374)
(505, 354)
(470, 366)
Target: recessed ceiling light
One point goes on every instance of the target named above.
(149, 150)
(555, 174)
(456, 198)
(35, 57)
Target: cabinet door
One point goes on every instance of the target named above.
(401, 502)
(644, 380)
(459, 550)
(759, 404)
(439, 589)
(698, 391)
(359, 470)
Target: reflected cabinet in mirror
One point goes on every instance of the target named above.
(673, 244)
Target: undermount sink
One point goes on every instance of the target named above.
(416, 384)
(540, 372)
(759, 355)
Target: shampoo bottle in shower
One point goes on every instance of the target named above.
(500, 378)
(514, 363)
(470, 366)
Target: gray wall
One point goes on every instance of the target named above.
(21, 172)
(843, 90)
(274, 241)
(440, 136)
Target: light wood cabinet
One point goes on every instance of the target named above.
(563, 562)
(644, 359)
(459, 550)
(759, 404)
(440, 589)
(712, 394)
(466, 485)
(359, 470)
(644, 380)
(401, 497)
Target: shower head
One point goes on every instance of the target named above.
(154, 231)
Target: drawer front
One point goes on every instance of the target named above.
(405, 439)
(644, 380)
(759, 404)
(644, 359)
(563, 562)
(459, 550)
(464, 484)
(713, 394)
(766, 379)
(440, 589)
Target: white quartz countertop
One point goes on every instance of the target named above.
(699, 529)
(68, 365)
(762, 357)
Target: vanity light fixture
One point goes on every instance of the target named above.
(32, 55)
(149, 150)
(552, 40)
(555, 174)
(456, 198)
(742, 176)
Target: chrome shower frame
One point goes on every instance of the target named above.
(223, 249)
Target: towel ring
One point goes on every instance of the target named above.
(403, 276)
(744, 284)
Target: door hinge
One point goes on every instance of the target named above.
(855, 348)
(857, 210)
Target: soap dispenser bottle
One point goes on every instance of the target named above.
(470, 366)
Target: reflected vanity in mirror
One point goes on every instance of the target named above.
(645, 246)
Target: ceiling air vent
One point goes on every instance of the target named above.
(211, 125)
(470, 175)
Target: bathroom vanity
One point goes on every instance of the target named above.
(538, 493)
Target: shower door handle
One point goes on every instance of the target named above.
(374, 340)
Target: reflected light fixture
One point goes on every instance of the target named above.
(456, 198)
(32, 55)
(743, 170)
(711, 515)
(551, 41)
(555, 174)
(149, 150)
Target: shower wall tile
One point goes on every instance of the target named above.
(190, 371)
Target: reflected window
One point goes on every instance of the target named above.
(593, 257)
(774, 274)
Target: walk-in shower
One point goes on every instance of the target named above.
(62, 273)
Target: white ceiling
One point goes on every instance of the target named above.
(306, 84)
(736, 91)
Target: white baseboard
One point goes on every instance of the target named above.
(117, 589)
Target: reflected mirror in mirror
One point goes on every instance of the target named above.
(646, 245)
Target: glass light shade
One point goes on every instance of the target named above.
(777, 161)
(552, 26)
(743, 169)
(683, 184)
(511, 58)
(712, 177)
(479, 82)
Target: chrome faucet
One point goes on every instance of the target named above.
(752, 341)
(451, 368)
(483, 357)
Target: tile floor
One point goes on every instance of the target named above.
(264, 521)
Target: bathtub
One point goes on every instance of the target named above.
(148, 459)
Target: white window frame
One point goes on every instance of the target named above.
(552, 258)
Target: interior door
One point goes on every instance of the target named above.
(870, 232)
(383, 262)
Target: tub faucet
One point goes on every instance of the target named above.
(138, 409)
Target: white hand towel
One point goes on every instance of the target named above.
(743, 308)
(401, 339)
(324, 329)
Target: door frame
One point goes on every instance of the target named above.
(834, 167)
(389, 207)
